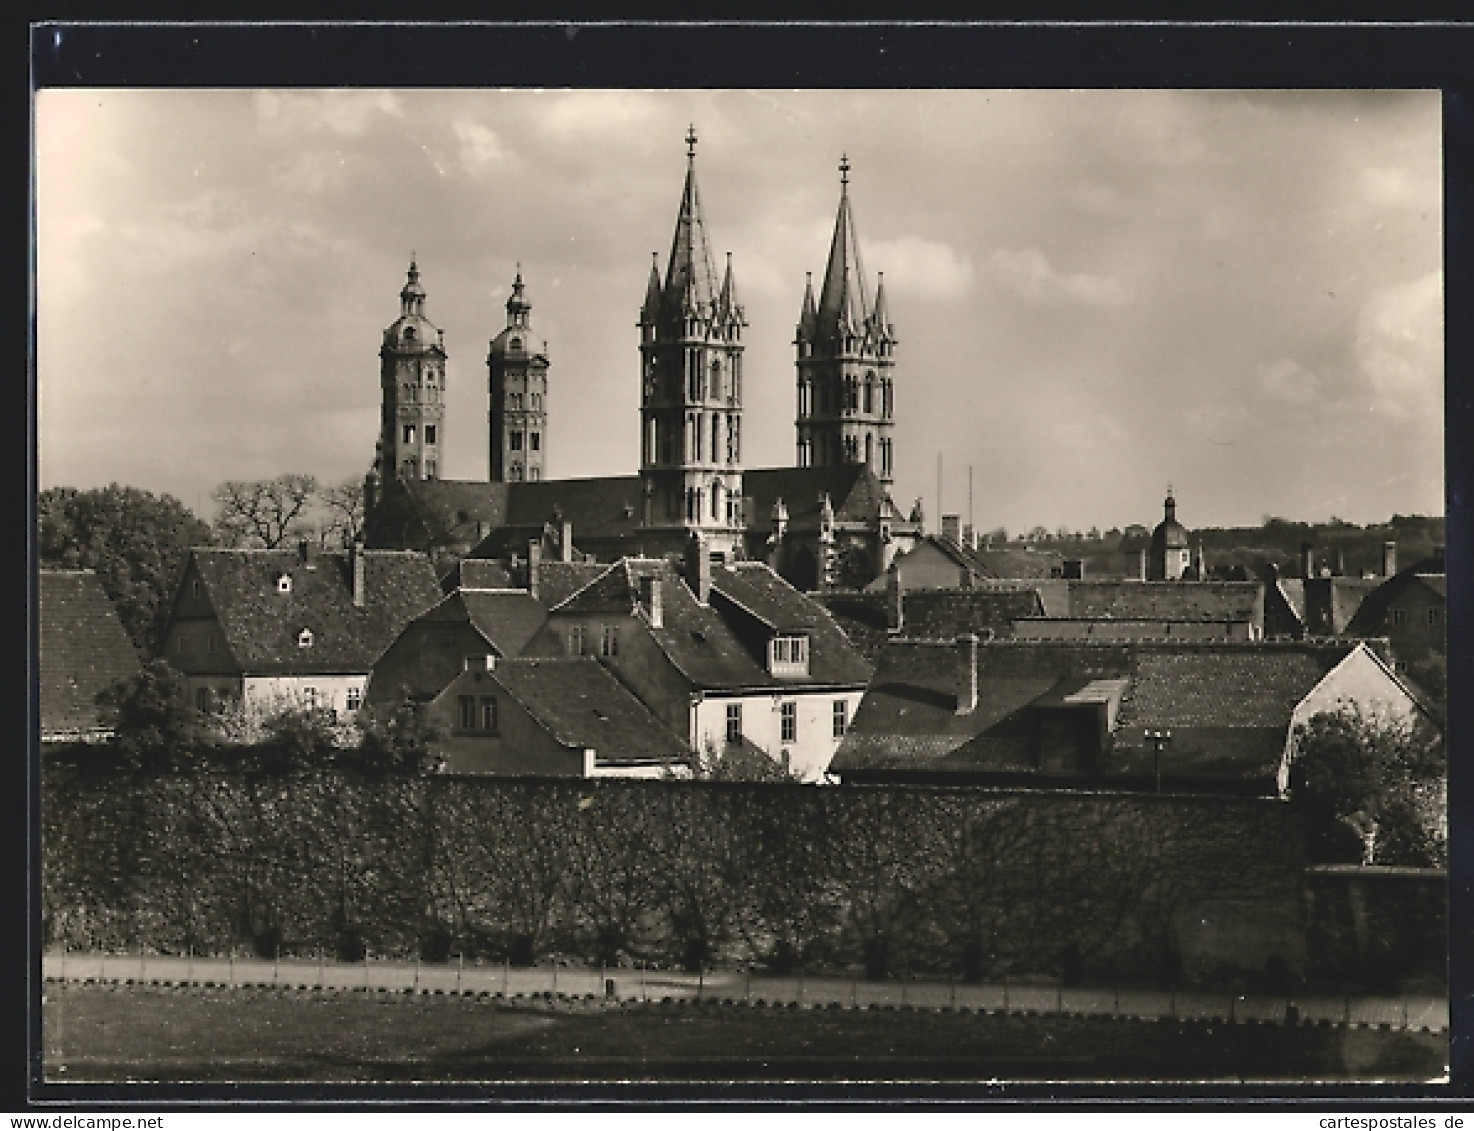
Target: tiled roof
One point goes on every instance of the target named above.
(1228, 705)
(861, 616)
(583, 705)
(84, 650)
(1167, 600)
(478, 573)
(946, 613)
(1293, 590)
(1331, 603)
(1016, 563)
(557, 581)
(509, 619)
(261, 625)
(704, 644)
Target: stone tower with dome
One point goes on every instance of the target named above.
(517, 366)
(1170, 557)
(412, 377)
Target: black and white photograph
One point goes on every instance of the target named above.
(740, 586)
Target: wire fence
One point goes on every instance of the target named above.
(748, 988)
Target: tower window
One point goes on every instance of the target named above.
(534, 472)
(609, 643)
(515, 441)
(429, 469)
(514, 473)
(488, 714)
(534, 441)
(841, 717)
(355, 699)
(409, 433)
(467, 704)
(516, 343)
(429, 433)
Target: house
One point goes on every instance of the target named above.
(84, 650)
(1133, 610)
(298, 626)
(1410, 609)
(720, 653)
(549, 717)
(1077, 714)
(432, 649)
(939, 562)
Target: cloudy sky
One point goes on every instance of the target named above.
(1097, 293)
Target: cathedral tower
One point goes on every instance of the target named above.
(691, 387)
(412, 378)
(518, 368)
(846, 358)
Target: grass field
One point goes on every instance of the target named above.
(136, 1033)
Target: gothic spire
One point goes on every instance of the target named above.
(880, 314)
(651, 310)
(729, 304)
(844, 307)
(808, 318)
(690, 277)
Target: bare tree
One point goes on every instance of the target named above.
(343, 512)
(262, 512)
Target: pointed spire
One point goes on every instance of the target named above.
(651, 310)
(729, 304)
(690, 277)
(880, 315)
(808, 318)
(844, 308)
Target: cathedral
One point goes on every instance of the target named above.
(827, 522)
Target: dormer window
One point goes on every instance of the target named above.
(284, 583)
(304, 638)
(788, 656)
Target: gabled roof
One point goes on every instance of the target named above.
(557, 581)
(582, 705)
(1370, 618)
(1228, 706)
(705, 643)
(509, 618)
(84, 650)
(943, 614)
(261, 625)
(1331, 603)
(1167, 600)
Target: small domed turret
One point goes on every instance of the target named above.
(1170, 555)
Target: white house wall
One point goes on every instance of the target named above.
(762, 721)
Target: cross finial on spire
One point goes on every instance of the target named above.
(844, 169)
(691, 141)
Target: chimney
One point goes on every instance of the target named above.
(534, 560)
(650, 597)
(1141, 564)
(565, 541)
(967, 680)
(1074, 569)
(698, 568)
(1307, 560)
(895, 599)
(1389, 558)
(355, 566)
(952, 528)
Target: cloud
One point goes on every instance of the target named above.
(348, 113)
(480, 146)
(1028, 274)
(924, 267)
(1394, 185)
(1288, 382)
(1399, 348)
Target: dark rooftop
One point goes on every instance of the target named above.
(84, 650)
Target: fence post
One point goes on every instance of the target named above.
(1005, 993)
(1347, 1020)
(276, 966)
(854, 990)
(700, 983)
(417, 972)
(232, 965)
(460, 968)
(321, 968)
(1059, 997)
(951, 992)
(189, 962)
(1116, 1001)
(747, 985)
(800, 988)
(507, 976)
(1404, 1013)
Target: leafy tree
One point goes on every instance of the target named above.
(263, 512)
(134, 540)
(396, 739)
(1383, 778)
(155, 726)
(739, 761)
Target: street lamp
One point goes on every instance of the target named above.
(1158, 739)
